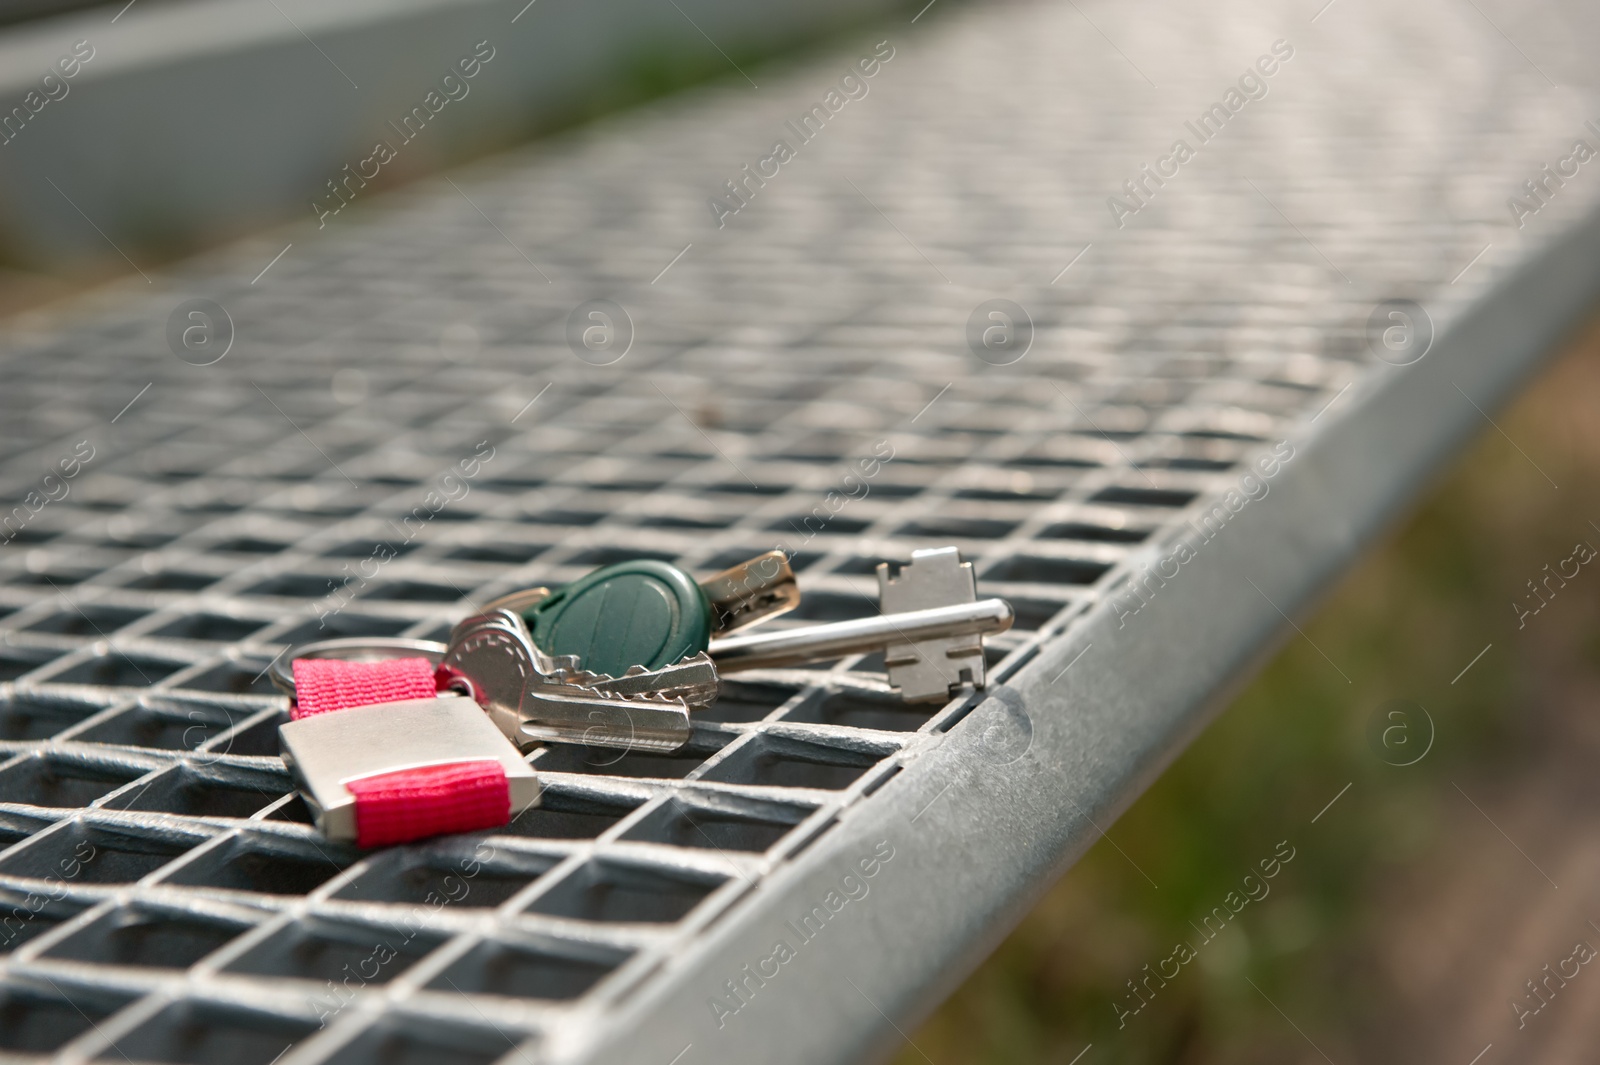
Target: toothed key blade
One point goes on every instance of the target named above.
(494, 659)
(693, 680)
(637, 724)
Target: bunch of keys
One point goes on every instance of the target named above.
(622, 657)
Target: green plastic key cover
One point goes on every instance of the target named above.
(646, 612)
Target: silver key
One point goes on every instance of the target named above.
(538, 698)
(694, 680)
(931, 630)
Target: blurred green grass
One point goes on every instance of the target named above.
(1401, 626)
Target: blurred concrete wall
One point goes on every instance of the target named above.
(198, 119)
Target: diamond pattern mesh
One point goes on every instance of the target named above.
(167, 899)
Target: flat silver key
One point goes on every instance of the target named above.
(534, 698)
(931, 631)
(694, 680)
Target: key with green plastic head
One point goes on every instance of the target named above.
(641, 613)
(651, 614)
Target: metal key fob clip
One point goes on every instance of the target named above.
(333, 755)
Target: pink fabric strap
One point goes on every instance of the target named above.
(406, 804)
(429, 801)
(325, 684)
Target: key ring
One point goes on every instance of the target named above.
(390, 759)
(353, 649)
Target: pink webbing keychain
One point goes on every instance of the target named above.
(382, 757)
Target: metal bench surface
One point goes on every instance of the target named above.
(1206, 366)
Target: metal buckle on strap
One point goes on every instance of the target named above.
(352, 649)
(328, 751)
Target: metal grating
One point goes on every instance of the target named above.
(170, 902)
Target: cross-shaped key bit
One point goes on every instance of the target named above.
(928, 668)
